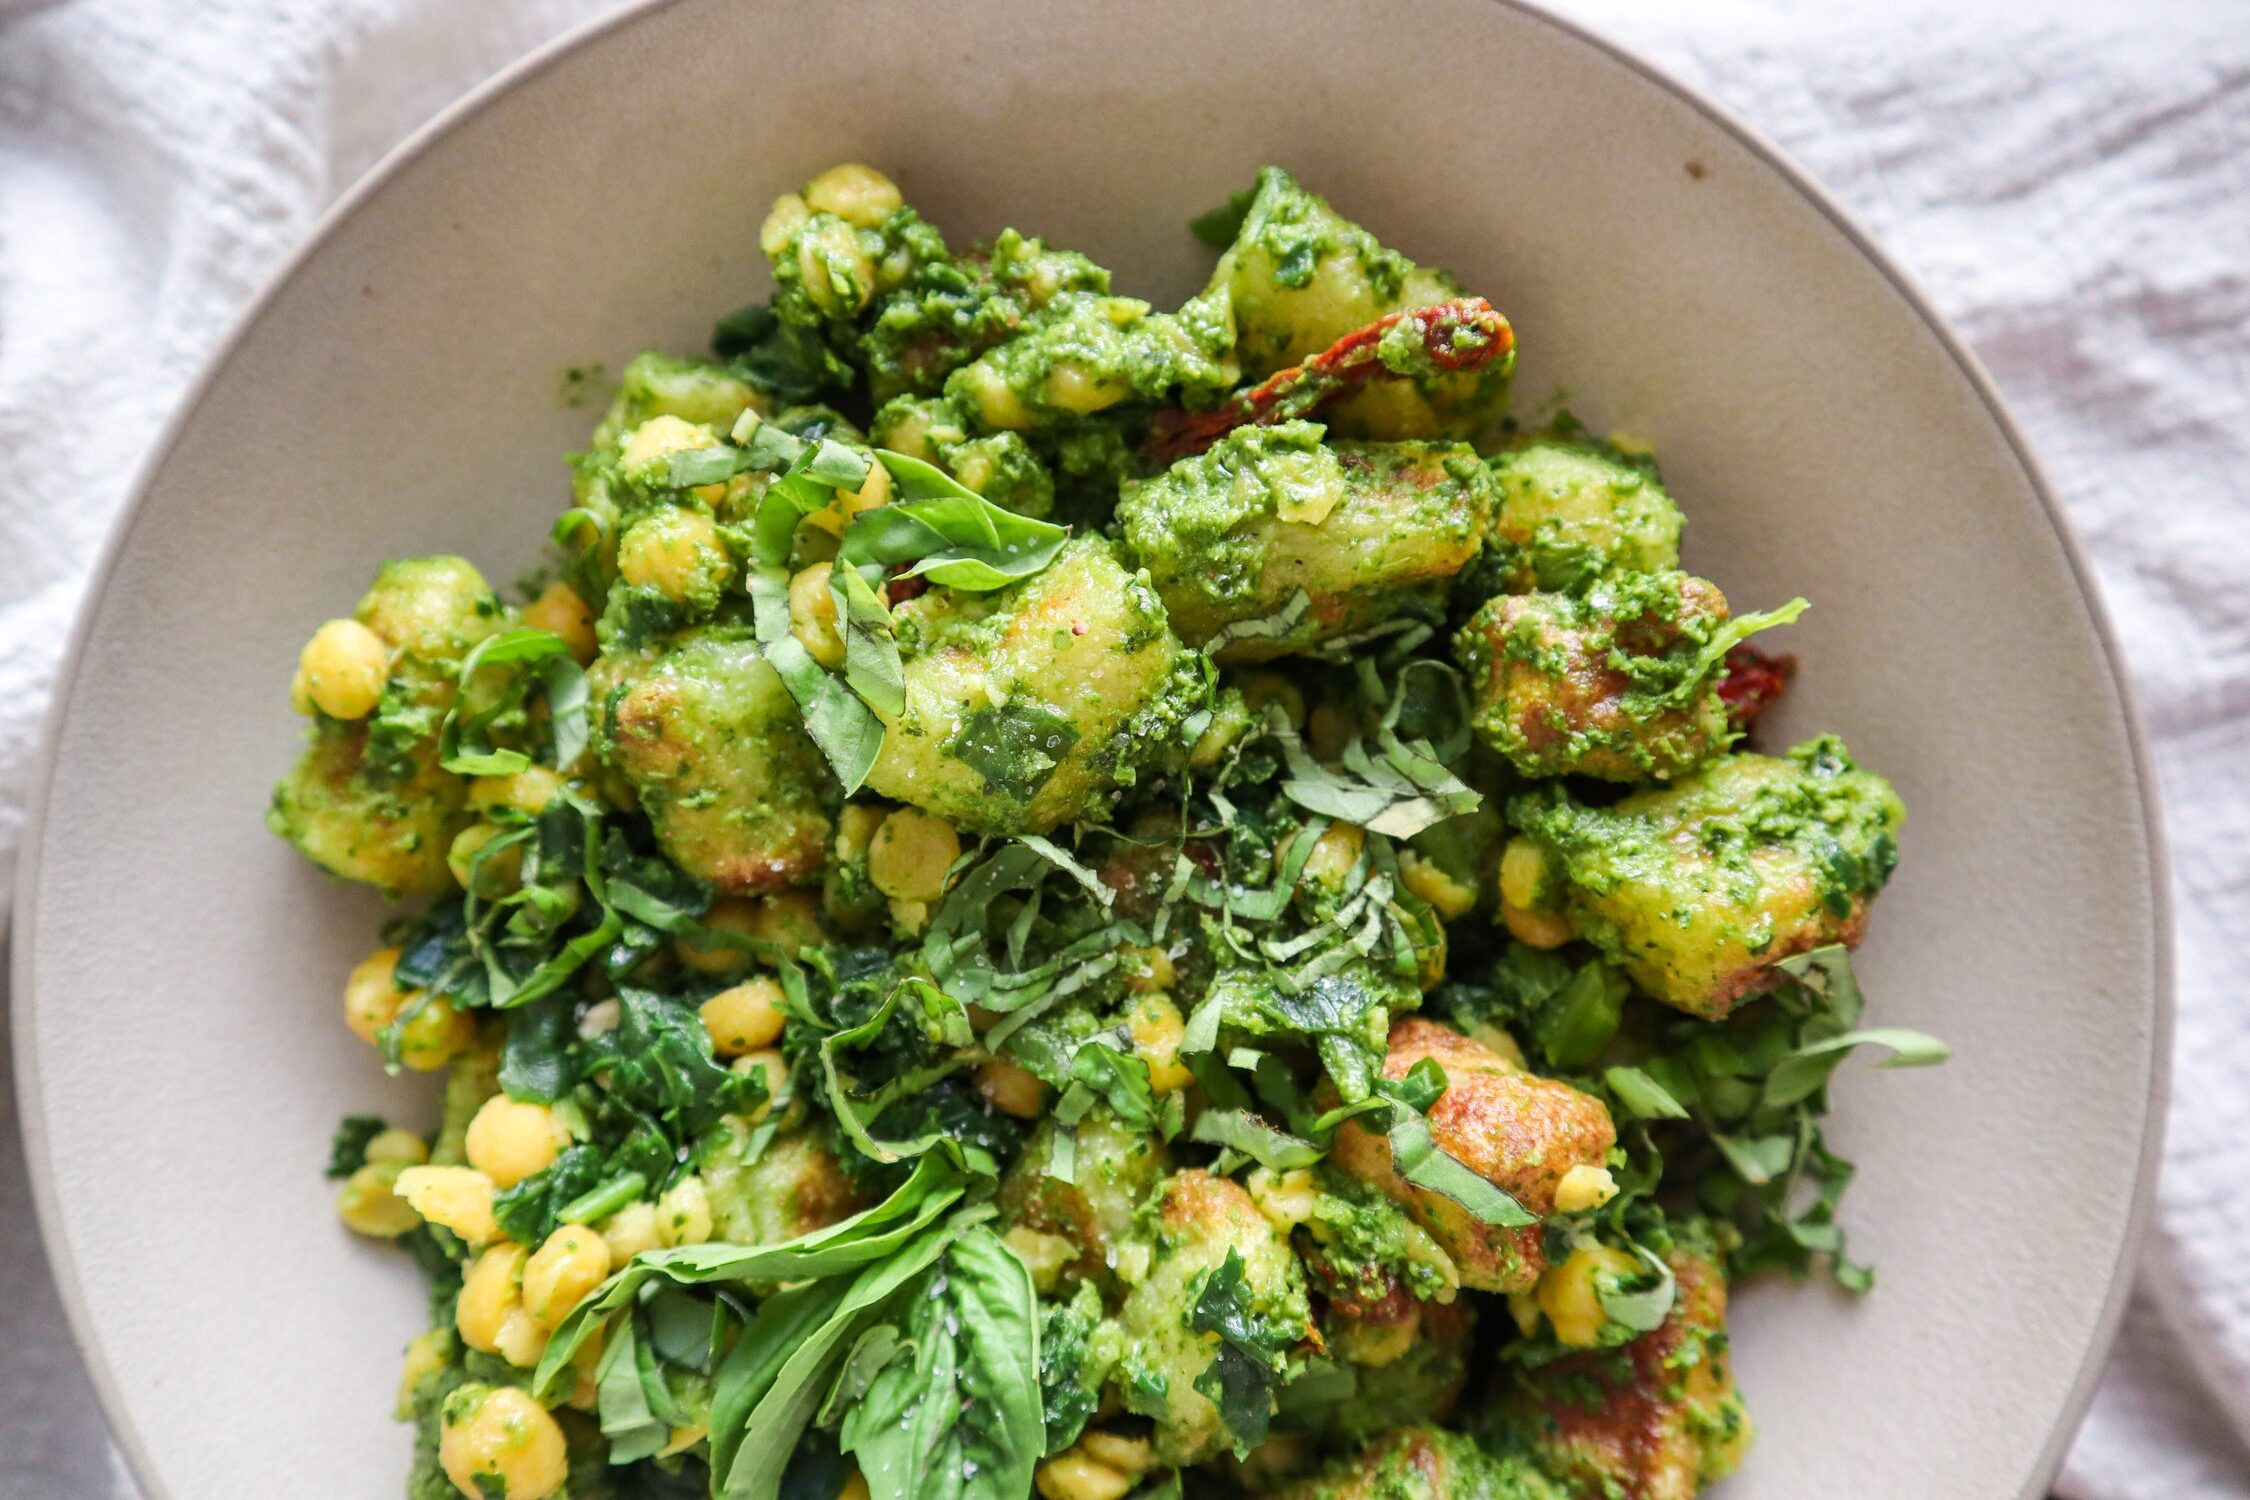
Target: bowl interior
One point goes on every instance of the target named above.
(403, 391)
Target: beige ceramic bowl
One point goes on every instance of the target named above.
(177, 968)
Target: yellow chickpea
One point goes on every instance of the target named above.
(343, 669)
(1334, 854)
(1377, 1344)
(996, 400)
(729, 914)
(563, 1272)
(1450, 898)
(1099, 1466)
(1044, 1255)
(1567, 1293)
(770, 1065)
(428, 1040)
(855, 1486)
(509, 1139)
(1526, 905)
(859, 195)
(497, 1443)
(1075, 388)
(1583, 1188)
(559, 611)
(836, 272)
(456, 1198)
(630, 1232)
(425, 1360)
(912, 854)
(1148, 971)
(397, 1148)
(855, 830)
(812, 614)
(745, 1018)
(496, 874)
(368, 1204)
(1262, 688)
(785, 218)
(1157, 1028)
(491, 1289)
(1010, 1089)
(790, 920)
(371, 994)
(656, 440)
(683, 1214)
(676, 552)
(528, 791)
(1286, 1199)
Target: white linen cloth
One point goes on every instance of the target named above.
(2071, 183)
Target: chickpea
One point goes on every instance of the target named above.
(1377, 1344)
(499, 1436)
(1075, 388)
(1451, 899)
(1157, 1029)
(1525, 902)
(368, 1205)
(1046, 1256)
(490, 1290)
(563, 1272)
(996, 400)
(509, 1140)
(1334, 854)
(658, 439)
(729, 914)
(909, 917)
(434, 1035)
(859, 195)
(1583, 1188)
(1328, 729)
(372, 996)
(1287, 1199)
(426, 1358)
(1568, 1295)
(1148, 970)
(559, 611)
(528, 791)
(522, 1338)
(428, 1040)
(912, 854)
(744, 1018)
(1099, 1466)
(774, 1068)
(683, 1214)
(785, 218)
(790, 920)
(343, 668)
(1262, 688)
(398, 1148)
(855, 1486)
(837, 274)
(676, 552)
(855, 830)
(457, 1198)
(500, 871)
(630, 1231)
(812, 614)
(1011, 1089)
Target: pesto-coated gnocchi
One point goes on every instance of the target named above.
(1056, 896)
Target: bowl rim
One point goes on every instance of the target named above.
(31, 1120)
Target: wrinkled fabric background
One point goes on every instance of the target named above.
(2070, 182)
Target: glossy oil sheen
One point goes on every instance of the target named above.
(178, 969)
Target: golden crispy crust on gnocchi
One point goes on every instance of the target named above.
(1518, 1131)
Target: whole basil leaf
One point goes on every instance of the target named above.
(958, 1417)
